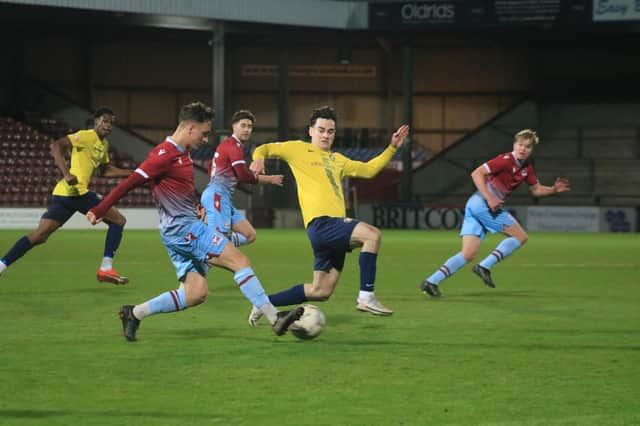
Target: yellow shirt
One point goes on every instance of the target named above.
(319, 174)
(87, 154)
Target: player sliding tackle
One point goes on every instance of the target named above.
(495, 180)
(318, 172)
(192, 246)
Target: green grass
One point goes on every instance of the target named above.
(556, 343)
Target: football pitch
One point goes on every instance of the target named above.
(556, 343)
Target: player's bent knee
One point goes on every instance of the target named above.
(523, 239)
(469, 256)
(251, 237)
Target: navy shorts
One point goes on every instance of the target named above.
(330, 239)
(62, 208)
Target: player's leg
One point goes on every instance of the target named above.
(517, 237)
(58, 212)
(322, 287)
(368, 237)
(193, 290)
(472, 233)
(229, 257)
(115, 222)
(243, 233)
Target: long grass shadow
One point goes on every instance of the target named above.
(39, 414)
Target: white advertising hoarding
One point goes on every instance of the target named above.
(563, 219)
(616, 10)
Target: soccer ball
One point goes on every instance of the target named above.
(310, 324)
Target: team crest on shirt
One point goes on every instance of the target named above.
(524, 172)
(332, 157)
(506, 157)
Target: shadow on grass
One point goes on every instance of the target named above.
(39, 414)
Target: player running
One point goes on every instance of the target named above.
(192, 246)
(89, 154)
(495, 180)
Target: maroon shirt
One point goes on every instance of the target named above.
(506, 174)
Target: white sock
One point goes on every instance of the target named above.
(107, 263)
(2, 266)
(141, 311)
(365, 295)
(270, 312)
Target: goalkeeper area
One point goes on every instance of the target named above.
(556, 343)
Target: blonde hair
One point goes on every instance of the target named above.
(528, 134)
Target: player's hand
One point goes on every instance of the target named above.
(257, 167)
(71, 179)
(494, 203)
(276, 180)
(562, 185)
(399, 136)
(201, 212)
(91, 217)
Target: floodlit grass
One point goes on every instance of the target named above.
(556, 343)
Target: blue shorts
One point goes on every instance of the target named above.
(478, 218)
(189, 253)
(221, 214)
(330, 239)
(61, 208)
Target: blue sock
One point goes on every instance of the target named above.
(114, 236)
(238, 239)
(449, 268)
(171, 301)
(367, 270)
(250, 286)
(21, 246)
(504, 249)
(292, 296)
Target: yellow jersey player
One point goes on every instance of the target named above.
(318, 173)
(89, 152)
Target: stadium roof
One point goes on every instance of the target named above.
(197, 14)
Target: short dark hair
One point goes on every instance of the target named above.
(196, 111)
(241, 115)
(323, 112)
(102, 111)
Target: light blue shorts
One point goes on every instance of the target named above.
(478, 219)
(190, 252)
(221, 214)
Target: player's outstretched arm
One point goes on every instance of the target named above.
(560, 185)
(133, 181)
(91, 217)
(399, 136)
(110, 170)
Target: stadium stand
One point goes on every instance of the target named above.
(28, 173)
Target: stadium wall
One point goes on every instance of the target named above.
(388, 216)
